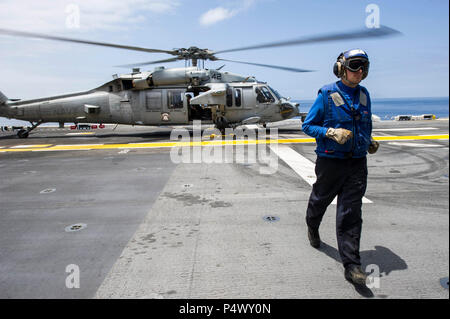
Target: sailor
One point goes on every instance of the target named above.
(341, 121)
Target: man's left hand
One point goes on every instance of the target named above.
(373, 148)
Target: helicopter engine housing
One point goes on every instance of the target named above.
(177, 76)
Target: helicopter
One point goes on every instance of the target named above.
(171, 96)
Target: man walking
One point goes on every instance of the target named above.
(341, 121)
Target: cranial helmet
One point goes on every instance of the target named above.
(352, 60)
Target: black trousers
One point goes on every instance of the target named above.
(346, 179)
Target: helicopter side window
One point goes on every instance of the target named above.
(175, 99)
(237, 97)
(153, 101)
(229, 96)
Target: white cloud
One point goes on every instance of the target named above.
(51, 15)
(215, 15)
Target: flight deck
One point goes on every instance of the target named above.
(116, 213)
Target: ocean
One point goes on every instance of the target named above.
(386, 109)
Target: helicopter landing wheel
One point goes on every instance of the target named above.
(22, 133)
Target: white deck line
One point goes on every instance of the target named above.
(301, 165)
(31, 146)
(403, 129)
(410, 144)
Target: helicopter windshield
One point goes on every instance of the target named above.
(263, 95)
(275, 92)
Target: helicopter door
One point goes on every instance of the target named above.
(126, 112)
(263, 101)
(248, 98)
(120, 109)
(176, 107)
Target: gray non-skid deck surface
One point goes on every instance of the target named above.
(109, 192)
(156, 229)
(209, 239)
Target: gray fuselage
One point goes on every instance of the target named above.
(160, 98)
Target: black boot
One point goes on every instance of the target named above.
(314, 238)
(355, 275)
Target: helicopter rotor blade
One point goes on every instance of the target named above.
(383, 31)
(64, 39)
(285, 68)
(146, 63)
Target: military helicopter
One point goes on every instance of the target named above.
(172, 96)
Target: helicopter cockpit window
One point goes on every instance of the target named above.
(275, 92)
(259, 96)
(263, 95)
(267, 94)
(175, 99)
(237, 97)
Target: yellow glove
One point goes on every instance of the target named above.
(340, 135)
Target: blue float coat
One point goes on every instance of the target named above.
(325, 113)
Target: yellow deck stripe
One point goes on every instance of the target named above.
(417, 137)
(208, 143)
(81, 133)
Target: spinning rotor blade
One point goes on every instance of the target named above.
(146, 63)
(270, 66)
(50, 37)
(359, 34)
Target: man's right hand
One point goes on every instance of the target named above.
(340, 135)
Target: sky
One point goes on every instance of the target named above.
(415, 64)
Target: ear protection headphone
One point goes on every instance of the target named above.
(338, 68)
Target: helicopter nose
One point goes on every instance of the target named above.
(289, 110)
(297, 108)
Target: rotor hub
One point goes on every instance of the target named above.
(194, 53)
